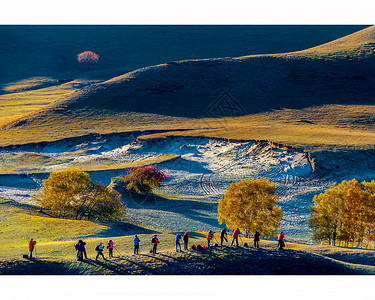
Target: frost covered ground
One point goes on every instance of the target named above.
(197, 177)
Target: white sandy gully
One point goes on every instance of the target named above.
(197, 178)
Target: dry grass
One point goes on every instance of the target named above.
(174, 95)
(30, 84)
(110, 164)
(314, 128)
(16, 105)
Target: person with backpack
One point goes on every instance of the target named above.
(136, 244)
(79, 247)
(210, 236)
(82, 248)
(99, 249)
(256, 239)
(235, 235)
(154, 242)
(32, 244)
(280, 241)
(223, 236)
(186, 240)
(110, 248)
(178, 238)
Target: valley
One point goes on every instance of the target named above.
(304, 119)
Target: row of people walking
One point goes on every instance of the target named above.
(81, 245)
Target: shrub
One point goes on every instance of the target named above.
(143, 180)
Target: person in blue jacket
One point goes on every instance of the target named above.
(178, 238)
(136, 244)
(99, 249)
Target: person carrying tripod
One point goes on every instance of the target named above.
(136, 244)
(223, 236)
(32, 244)
(110, 248)
(235, 235)
(256, 239)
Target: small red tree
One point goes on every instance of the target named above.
(143, 180)
(88, 57)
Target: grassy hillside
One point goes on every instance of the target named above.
(185, 94)
(29, 51)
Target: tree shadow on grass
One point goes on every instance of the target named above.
(120, 229)
(191, 209)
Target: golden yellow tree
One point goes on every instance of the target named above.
(251, 206)
(71, 191)
(103, 203)
(345, 212)
(368, 211)
(63, 189)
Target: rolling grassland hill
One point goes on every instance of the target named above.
(171, 94)
(29, 51)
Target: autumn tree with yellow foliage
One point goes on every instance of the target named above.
(345, 213)
(251, 206)
(71, 192)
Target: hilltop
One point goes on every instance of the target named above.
(185, 94)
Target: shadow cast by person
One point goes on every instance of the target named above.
(146, 269)
(115, 268)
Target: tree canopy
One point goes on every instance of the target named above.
(143, 180)
(88, 57)
(345, 213)
(71, 192)
(251, 206)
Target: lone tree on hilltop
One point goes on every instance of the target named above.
(143, 180)
(71, 192)
(251, 206)
(87, 58)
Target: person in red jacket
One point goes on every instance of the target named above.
(235, 235)
(31, 247)
(186, 240)
(110, 248)
(210, 236)
(280, 240)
